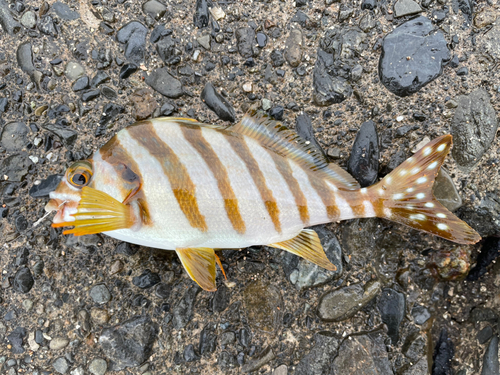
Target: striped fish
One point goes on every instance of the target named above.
(176, 184)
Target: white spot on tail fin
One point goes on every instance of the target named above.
(420, 217)
(369, 211)
(388, 180)
(381, 191)
(432, 165)
(442, 216)
(426, 151)
(441, 147)
(402, 172)
(409, 190)
(420, 196)
(398, 196)
(429, 204)
(421, 180)
(442, 226)
(363, 191)
(415, 171)
(387, 212)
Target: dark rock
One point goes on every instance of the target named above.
(277, 112)
(133, 35)
(463, 71)
(167, 109)
(319, 358)
(4, 104)
(406, 8)
(340, 304)
(244, 337)
(127, 70)
(304, 128)
(369, 4)
(183, 310)
(189, 354)
(23, 280)
(217, 103)
(13, 136)
(21, 224)
(412, 56)
(328, 89)
(420, 314)
(261, 39)
(89, 95)
(22, 257)
(443, 354)
(9, 24)
(126, 248)
(208, 340)
(65, 12)
(484, 216)
(154, 9)
(473, 128)
(80, 84)
(263, 306)
(162, 81)
(221, 299)
(202, 15)
(68, 136)
(439, 16)
(483, 314)
(16, 166)
(61, 365)
(168, 51)
(130, 343)
(277, 58)
(301, 18)
(259, 360)
(100, 294)
(99, 79)
(362, 355)
(146, 280)
(25, 61)
(47, 26)
(392, 308)
(490, 358)
(16, 338)
(226, 360)
(467, 8)
(490, 250)
(108, 92)
(364, 160)
(484, 335)
(245, 37)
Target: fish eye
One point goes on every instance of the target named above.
(79, 174)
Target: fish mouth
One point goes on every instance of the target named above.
(64, 208)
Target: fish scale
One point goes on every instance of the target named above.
(176, 184)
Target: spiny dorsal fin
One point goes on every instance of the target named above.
(287, 143)
(308, 246)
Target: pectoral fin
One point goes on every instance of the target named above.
(199, 263)
(308, 246)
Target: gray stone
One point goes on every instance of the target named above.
(9, 24)
(205, 41)
(61, 365)
(67, 135)
(58, 343)
(13, 137)
(183, 310)
(100, 294)
(392, 307)
(319, 358)
(263, 306)
(342, 303)
(162, 81)
(245, 38)
(490, 41)
(328, 89)
(77, 371)
(154, 9)
(420, 314)
(293, 48)
(98, 366)
(446, 192)
(419, 368)
(16, 166)
(259, 360)
(362, 355)
(28, 19)
(417, 348)
(65, 12)
(73, 71)
(473, 128)
(490, 358)
(406, 8)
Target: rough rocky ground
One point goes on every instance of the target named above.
(73, 73)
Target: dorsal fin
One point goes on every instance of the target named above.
(287, 143)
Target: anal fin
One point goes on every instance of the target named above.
(308, 246)
(199, 262)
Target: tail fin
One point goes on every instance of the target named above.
(405, 195)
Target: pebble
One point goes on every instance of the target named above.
(263, 305)
(144, 103)
(77, 371)
(412, 56)
(443, 354)
(28, 20)
(189, 354)
(490, 250)
(162, 81)
(406, 7)
(24, 57)
(16, 166)
(127, 70)
(126, 248)
(23, 280)
(146, 280)
(293, 48)
(130, 343)
(340, 304)
(201, 16)
(13, 136)
(9, 24)
(183, 311)
(47, 26)
(65, 12)
(204, 41)
(304, 128)
(68, 136)
(473, 128)
(369, 4)
(98, 366)
(61, 365)
(100, 294)
(80, 84)
(420, 314)
(261, 39)
(318, 360)
(154, 9)
(217, 13)
(99, 316)
(133, 35)
(16, 338)
(221, 299)
(266, 104)
(363, 163)
(245, 38)
(58, 343)
(392, 307)
(327, 89)
(73, 71)
(217, 103)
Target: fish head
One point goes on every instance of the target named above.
(66, 197)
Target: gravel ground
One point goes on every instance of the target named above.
(366, 82)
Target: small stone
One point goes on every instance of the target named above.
(217, 103)
(133, 35)
(89, 95)
(98, 366)
(392, 307)
(126, 248)
(205, 41)
(261, 39)
(263, 306)
(183, 311)
(146, 280)
(420, 314)
(293, 48)
(28, 20)
(116, 267)
(58, 343)
(245, 39)
(484, 335)
(73, 71)
(23, 280)
(99, 316)
(406, 8)
(443, 354)
(16, 338)
(144, 103)
(247, 87)
(266, 104)
(13, 136)
(364, 160)
(80, 84)
(201, 16)
(127, 70)
(217, 13)
(318, 360)
(65, 12)
(162, 81)
(100, 294)
(61, 365)
(154, 9)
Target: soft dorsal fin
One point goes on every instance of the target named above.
(287, 143)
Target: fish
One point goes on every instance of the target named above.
(178, 184)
